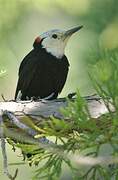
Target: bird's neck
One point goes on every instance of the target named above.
(58, 52)
(55, 48)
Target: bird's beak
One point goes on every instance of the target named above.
(69, 32)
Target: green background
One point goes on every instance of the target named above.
(21, 21)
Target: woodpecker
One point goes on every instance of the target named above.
(43, 72)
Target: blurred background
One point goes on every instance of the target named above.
(21, 21)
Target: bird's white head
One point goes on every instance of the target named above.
(55, 41)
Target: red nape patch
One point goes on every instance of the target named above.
(38, 40)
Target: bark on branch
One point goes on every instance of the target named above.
(44, 109)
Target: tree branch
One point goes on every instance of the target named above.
(39, 111)
(4, 154)
(44, 109)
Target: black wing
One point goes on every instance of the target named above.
(27, 71)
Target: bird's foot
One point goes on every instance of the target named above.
(47, 98)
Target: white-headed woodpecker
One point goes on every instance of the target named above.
(43, 72)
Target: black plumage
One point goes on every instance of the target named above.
(41, 74)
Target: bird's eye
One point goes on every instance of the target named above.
(54, 36)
